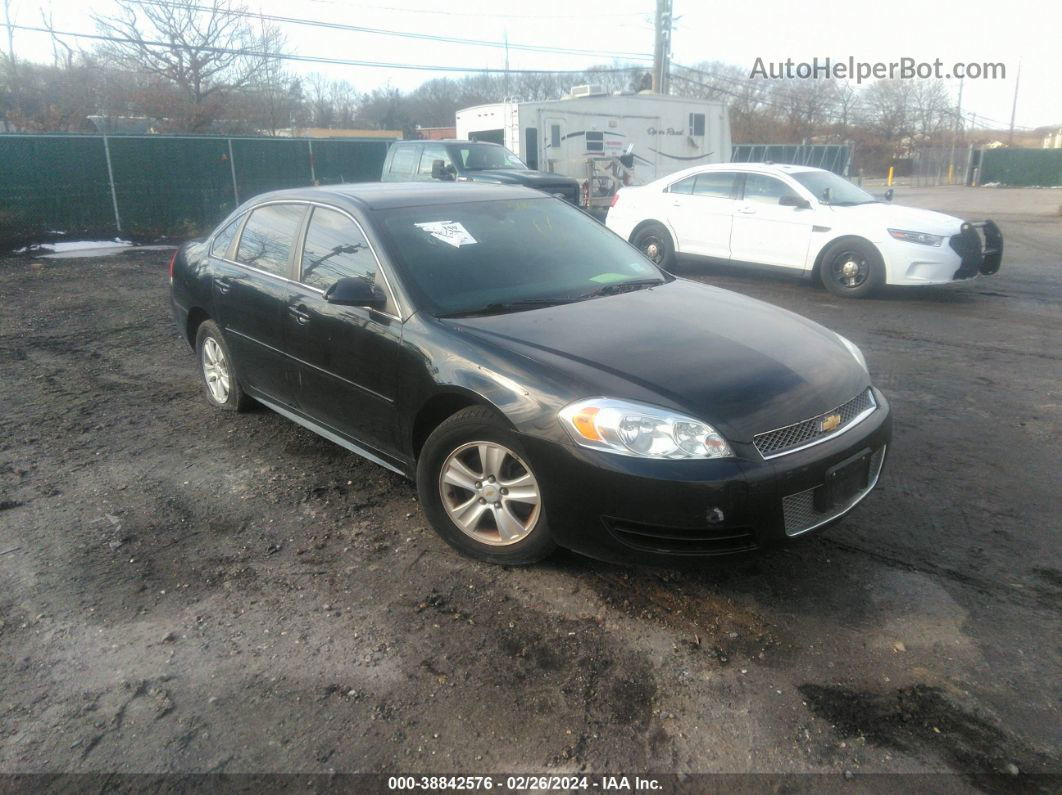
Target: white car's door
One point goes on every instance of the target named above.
(700, 209)
(767, 232)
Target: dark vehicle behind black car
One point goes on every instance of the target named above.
(471, 161)
(541, 380)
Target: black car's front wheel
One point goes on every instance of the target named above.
(479, 491)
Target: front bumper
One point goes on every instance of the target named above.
(978, 255)
(621, 508)
(977, 249)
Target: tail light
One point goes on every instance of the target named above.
(173, 262)
(615, 199)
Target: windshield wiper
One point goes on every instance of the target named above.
(622, 287)
(502, 307)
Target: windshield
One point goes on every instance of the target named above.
(500, 256)
(842, 192)
(477, 157)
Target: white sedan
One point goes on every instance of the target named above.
(802, 219)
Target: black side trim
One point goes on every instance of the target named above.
(679, 157)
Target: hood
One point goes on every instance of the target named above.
(896, 216)
(742, 365)
(515, 176)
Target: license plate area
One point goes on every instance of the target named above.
(843, 482)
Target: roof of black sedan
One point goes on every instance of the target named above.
(381, 195)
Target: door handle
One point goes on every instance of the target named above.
(302, 317)
(223, 285)
(747, 210)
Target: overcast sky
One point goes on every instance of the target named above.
(734, 32)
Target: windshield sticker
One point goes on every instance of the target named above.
(451, 232)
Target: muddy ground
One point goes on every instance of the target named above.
(184, 590)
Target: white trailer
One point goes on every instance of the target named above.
(605, 141)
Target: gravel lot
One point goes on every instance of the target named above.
(182, 590)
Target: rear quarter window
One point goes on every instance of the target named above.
(223, 239)
(403, 162)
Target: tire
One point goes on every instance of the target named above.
(852, 269)
(468, 498)
(654, 241)
(215, 368)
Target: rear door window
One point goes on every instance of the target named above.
(269, 237)
(715, 184)
(683, 186)
(223, 239)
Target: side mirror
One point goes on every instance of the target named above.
(889, 195)
(439, 170)
(791, 200)
(355, 291)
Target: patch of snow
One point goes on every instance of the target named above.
(82, 253)
(96, 246)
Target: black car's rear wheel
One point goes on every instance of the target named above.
(655, 242)
(479, 491)
(215, 367)
(852, 269)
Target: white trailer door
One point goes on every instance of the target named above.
(553, 132)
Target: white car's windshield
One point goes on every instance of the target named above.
(829, 188)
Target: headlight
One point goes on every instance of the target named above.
(636, 429)
(854, 350)
(924, 238)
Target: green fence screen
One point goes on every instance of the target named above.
(157, 185)
(1022, 167)
(832, 157)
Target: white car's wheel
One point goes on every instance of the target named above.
(852, 268)
(655, 242)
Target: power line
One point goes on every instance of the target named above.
(480, 15)
(318, 23)
(322, 59)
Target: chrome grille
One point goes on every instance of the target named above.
(799, 509)
(808, 432)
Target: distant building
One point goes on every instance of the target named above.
(435, 133)
(327, 132)
(1053, 140)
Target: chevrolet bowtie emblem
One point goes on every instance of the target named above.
(829, 422)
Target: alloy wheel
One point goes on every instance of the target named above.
(490, 493)
(216, 370)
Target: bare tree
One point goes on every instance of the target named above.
(204, 53)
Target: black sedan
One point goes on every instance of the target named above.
(542, 381)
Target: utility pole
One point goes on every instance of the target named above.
(955, 134)
(1014, 107)
(662, 47)
(506, 64)
(11, 63)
